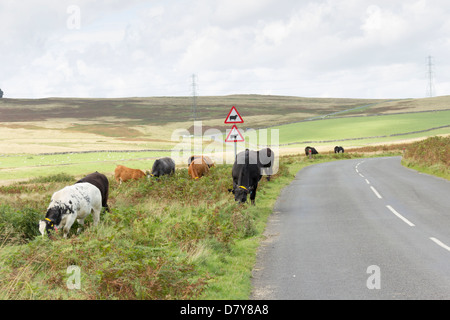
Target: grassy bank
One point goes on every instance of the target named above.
(431, 156)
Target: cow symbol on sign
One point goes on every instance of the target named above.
(234, 116)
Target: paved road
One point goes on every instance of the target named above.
(357, 229)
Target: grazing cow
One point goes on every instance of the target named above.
(265, 159)
(163, 166)
(338, 149)
(207, 159)
(101, 182)
(246, 173)
(123, 174)
(72, 203)
(313, 151)
(198, 168)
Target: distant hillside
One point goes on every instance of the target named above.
(75, 124)
(160, 110)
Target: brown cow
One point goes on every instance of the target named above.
(207, 159)
(123, 174)
(198, 168)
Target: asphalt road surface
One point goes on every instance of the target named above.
(356, 230)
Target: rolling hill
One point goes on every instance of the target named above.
(49, 125)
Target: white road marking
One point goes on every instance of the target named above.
(400, 216)
(367, 181)
(439, 243)
(357, 170)
(376, 192)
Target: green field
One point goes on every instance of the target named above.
(28, 166)
(370, 127)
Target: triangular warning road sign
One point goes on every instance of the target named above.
(234, 135)
(234, 116)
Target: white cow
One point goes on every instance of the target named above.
(72, 203)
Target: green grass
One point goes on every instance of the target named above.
(363, 127)
(25, 166)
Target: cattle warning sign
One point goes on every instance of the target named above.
(234, 135)
(234, 116)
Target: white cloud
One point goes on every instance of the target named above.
(345, 48)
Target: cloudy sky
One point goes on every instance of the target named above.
(315, 48)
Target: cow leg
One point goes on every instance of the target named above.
(253, 196)
(69, 222)
(81, 223)
(96, 215)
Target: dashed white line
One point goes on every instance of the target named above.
(376, 193)
(400, 216)
(439, 243)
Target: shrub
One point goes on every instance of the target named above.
(18, 226)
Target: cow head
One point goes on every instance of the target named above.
(51, 221)
(241, 193)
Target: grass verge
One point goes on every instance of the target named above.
(431, 156)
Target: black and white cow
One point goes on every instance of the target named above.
(338, 149)
(246, 173)
(313, 150)
(101, 182)
(163, 166)
(72, 203)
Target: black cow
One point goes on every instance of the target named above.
(313, 151)
(101, 182)
(163, 166)
(338, 149)
(246, 173)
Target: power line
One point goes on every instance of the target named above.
(430, 75)
(194, 96)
